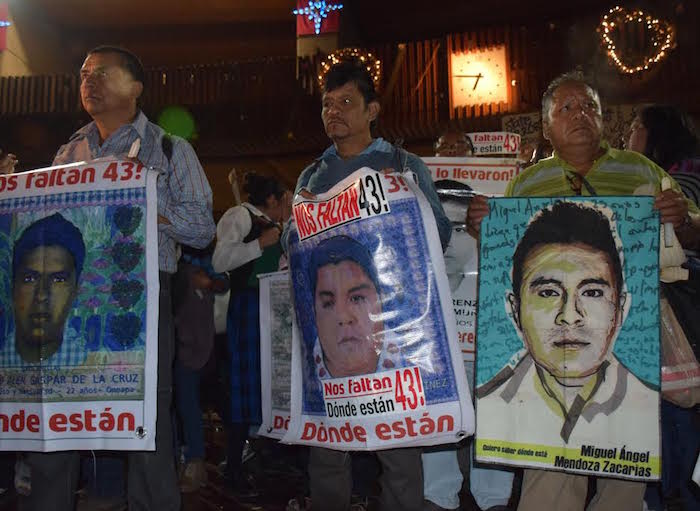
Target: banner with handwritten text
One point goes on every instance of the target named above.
(568, 356)
(78, 307)
(375, 360)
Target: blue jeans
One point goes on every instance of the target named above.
(442, 478)
(680, 437)
(189, 411)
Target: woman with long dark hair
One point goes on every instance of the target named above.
(667, 136)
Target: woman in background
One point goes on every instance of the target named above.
(666, 135)
(248, 245)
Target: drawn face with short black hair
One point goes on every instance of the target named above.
(44, 288)
(348, 319)
(568, 311)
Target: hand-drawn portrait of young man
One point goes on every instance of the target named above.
(347, 303)
(568, 303)
(47, 261)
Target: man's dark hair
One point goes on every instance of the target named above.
(575, 76)
(351, 71)
(130, 62)
(52, 230)
(671, 135)
(568, 223)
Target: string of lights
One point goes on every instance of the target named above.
(373, 64)
(317, 11)
(662, 37)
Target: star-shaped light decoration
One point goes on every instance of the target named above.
(317, 12)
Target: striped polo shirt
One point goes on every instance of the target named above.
(616, 172)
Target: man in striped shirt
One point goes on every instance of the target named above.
(111, 81)
(584, 164)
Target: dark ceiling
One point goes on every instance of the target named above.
(374, 20)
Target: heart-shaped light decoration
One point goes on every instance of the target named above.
(661, 31)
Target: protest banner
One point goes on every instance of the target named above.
(275, 352)
(78, 307)
(488, 176)
(568, 356)
(495, 143)
(375, 362)
(456, 179)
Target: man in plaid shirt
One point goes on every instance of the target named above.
(111, 81)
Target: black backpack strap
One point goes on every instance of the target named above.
(166, 145)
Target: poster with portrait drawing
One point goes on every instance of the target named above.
(375, 361)
(568, 357)
(78, 307)
(456, 180)
(275, 352)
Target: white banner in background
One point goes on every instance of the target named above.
(275, 352)
(495, 142)
(456, 179)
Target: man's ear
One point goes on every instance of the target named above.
(373, 108)
(514, 305)
(545, 130)
(137, 89)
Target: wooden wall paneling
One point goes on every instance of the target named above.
(28, 91)
(418, 90)
(409, 115)
(394, 119)
(404, 84)
(15, 95)
(43, 94)
(22, 95)
(53, 80)
(450, 47)
(32, 87)
(436, 75)
(64, 94)
(5, 94)
(10, 94)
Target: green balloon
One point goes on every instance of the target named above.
(176, 120)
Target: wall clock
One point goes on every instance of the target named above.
(478, 76)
